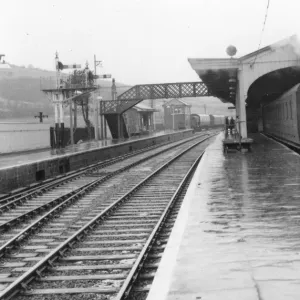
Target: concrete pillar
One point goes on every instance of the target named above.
(56, 113)
(61, 119)
(96, 112)
(61, 109)
(75, 115)
(120, 126)
(105, 127)
(57, 120)
(101, 126)
(241, 104)
(152, 121)
(71, 122)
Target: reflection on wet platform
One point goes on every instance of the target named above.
(241, 228)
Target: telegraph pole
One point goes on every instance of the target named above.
(102, 119)
(96, 103)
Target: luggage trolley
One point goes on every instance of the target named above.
(234, 141)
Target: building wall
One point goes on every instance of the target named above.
(182, 117)
(276, 58)
(132, 121)
(158, 115)
(158, 119)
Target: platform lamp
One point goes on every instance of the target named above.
(231, 50)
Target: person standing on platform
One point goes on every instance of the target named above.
(226, 126)
(232, 123)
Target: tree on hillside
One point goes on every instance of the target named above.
(82, 78)
(23, 95)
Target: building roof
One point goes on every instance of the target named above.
(219, 74)
(253, 54)
(291, 40)
(176, 101)
(143, 107)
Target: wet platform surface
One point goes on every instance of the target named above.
(12, 160)
(237, 233)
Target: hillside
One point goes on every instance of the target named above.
(20, 94)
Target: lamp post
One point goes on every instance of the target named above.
(96, 106)
(95, 99)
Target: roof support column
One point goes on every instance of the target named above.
(241, 104)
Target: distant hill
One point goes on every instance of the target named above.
(20, 71)
(20, 94)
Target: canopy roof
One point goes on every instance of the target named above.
(220, 75)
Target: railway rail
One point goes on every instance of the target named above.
(16, 210)
(23, 194)
(142, 285)
(142, 217)
(18, 227)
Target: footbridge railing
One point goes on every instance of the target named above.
(139, 93)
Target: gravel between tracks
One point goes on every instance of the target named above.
(83, 283)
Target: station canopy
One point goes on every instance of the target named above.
(267, 73)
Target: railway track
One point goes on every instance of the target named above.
(12, 239)
(44, 198)
(23, 194)
(19, 227)
(142, 285)
(99, 256)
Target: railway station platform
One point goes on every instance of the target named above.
(19, 170)
(237, 233)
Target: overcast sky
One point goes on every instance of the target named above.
(146, 41)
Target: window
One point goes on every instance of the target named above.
(291, 109)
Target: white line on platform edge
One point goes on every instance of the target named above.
(162, 280)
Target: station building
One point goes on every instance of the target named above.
(139, 119)
(177, 114)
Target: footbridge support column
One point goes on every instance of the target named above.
(240, 105)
